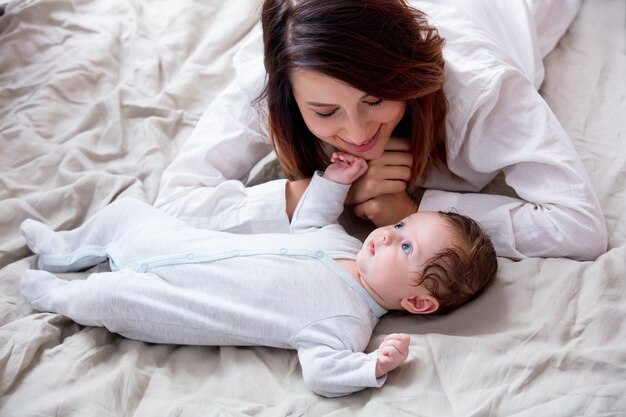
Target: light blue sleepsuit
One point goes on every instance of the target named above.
(172, 283)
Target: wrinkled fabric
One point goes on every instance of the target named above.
(96, 98)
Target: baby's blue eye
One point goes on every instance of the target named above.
(398, 226)
(406, 248)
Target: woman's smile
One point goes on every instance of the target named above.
(349, 119)
(366, 146)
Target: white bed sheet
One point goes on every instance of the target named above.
(95, 99)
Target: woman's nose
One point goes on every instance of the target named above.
(356, 130)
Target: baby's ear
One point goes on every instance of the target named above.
(420, 304)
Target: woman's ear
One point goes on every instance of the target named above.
(420, 304)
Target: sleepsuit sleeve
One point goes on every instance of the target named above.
(321, 204)
(334, 365)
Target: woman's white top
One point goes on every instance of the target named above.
(497, 124)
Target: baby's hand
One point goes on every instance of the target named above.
(345, 168)
(392, 352)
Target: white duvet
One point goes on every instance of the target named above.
(96, 98)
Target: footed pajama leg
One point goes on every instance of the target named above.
(85, 246)
(136, 305)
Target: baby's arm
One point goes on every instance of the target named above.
(322, 202)
(345, 168)
(391, 353)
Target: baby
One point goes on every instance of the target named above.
(316, 290)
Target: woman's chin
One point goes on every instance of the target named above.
(369, 155)
(372, 154)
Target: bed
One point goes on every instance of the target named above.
(96, 98)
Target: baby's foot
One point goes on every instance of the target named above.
(38, 236)
(56, 251)
(38, 287)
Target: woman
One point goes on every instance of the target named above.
(440, 99)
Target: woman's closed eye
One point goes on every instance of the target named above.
(331, 113)
(325, 115)
(375, 103)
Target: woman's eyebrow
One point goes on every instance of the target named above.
(315, 104)
(318, 104)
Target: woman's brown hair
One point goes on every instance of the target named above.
(382, 47)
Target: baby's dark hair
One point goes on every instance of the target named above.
(462, 272)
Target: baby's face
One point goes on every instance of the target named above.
(393, 257)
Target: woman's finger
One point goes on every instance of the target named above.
(398, 144)
(394, 158)
(368, 189)
(389, 172)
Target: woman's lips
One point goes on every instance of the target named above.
(365, 146)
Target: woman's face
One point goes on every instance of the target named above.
(340, 115)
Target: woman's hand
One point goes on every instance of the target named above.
(386, 175)
(386, 209)
(380, 194)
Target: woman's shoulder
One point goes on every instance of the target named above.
(484, 38)
(248, 63)
(485, 43)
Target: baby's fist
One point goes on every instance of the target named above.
(345, 168)
(391, 353)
